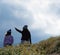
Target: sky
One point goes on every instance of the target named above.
(41, 16)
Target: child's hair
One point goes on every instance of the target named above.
(8, 32)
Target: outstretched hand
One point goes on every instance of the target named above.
(15, 28)
(18, 30)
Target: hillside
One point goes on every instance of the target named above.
(50, 46)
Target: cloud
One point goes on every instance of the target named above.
(39, 14)
(46, 15)
(10, 20)
(9, 13)
(42, 16)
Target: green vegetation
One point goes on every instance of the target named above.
(50, 46)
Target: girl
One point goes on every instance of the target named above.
(8, 40)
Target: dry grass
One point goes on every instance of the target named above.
(46, 47)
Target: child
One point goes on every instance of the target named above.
(8, 40)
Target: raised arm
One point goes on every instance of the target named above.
(18, 30)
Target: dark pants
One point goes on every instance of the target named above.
(7, 45)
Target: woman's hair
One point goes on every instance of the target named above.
(25, 26)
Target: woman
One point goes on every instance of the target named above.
(8, 40)
(26, 35)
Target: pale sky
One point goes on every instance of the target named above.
(42, 17)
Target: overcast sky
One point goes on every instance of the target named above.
(41, 16)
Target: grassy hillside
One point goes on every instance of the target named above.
(50, 46)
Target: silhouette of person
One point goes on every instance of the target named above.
(8, 40)
(26, 36)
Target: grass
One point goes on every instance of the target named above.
(50, 46)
